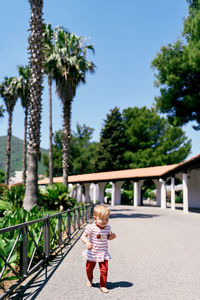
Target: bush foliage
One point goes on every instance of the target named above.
(7, 239)
(56, 196)
(53, 198)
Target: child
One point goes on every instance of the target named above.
(96, 237)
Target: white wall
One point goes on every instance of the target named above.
(194, 188)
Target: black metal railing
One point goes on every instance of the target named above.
(35, 241)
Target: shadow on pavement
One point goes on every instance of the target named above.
(114, 285)
(122, 209)
(132, 216)
(32, 289)
(119, 284)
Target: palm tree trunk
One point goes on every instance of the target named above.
(31, 194)
(66, 139)
(25, 146)
(8, 151)
(36, 61)
(50, 132)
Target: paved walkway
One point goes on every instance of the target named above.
(156, 256)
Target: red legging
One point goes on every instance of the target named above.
(103, 266)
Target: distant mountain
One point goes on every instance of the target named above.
(16, 155)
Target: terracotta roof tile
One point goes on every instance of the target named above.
(186, 165)
(142, 173)
(115, 175)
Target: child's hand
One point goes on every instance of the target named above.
(89, 246)
(111, 236)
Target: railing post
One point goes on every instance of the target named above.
(86, 214)
(74, 219)
(78, 218)
(91, 210)
(68, 224)
(83, 214)
(47, 236)
(60, 229)
(24, 252)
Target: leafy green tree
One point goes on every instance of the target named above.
(151, 140)
(36, 79)
(57, 155)
(82, 152)
(8, 91)
(177, 74)
(110, 152)
(139, 137)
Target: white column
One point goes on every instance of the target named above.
(87, 189)
(158, 192)
(79, 193)
(136, 194)
(95, 193)
(172, 193)
(118, 192)
(133, 191)
(163, 194)
(185, 193)
(140, 183)
(113, 194)
(101, 191)
(72, 189)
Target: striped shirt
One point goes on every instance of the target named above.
(98, 237)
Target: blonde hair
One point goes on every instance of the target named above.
(101, 211)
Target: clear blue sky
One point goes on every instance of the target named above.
(127, 36)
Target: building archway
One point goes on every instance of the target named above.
(178, 193)
(107, 193)
(127, 193)
(148, 193)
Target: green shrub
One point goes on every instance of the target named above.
(7, 239)
(2, 176)
(4, 206)
(179, 197)
(127, 197)
(55, 196)
(3, 187)
(14, 195)
(148, 193)
(152, 195)
(108, 195)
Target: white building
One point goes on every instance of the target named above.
(91, 186)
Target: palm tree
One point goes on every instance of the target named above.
(36, 79)
(8, 91)
(49, 67)
(72, 66)
(23, 92)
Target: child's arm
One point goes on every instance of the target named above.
(84, 239)
(111, 236)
